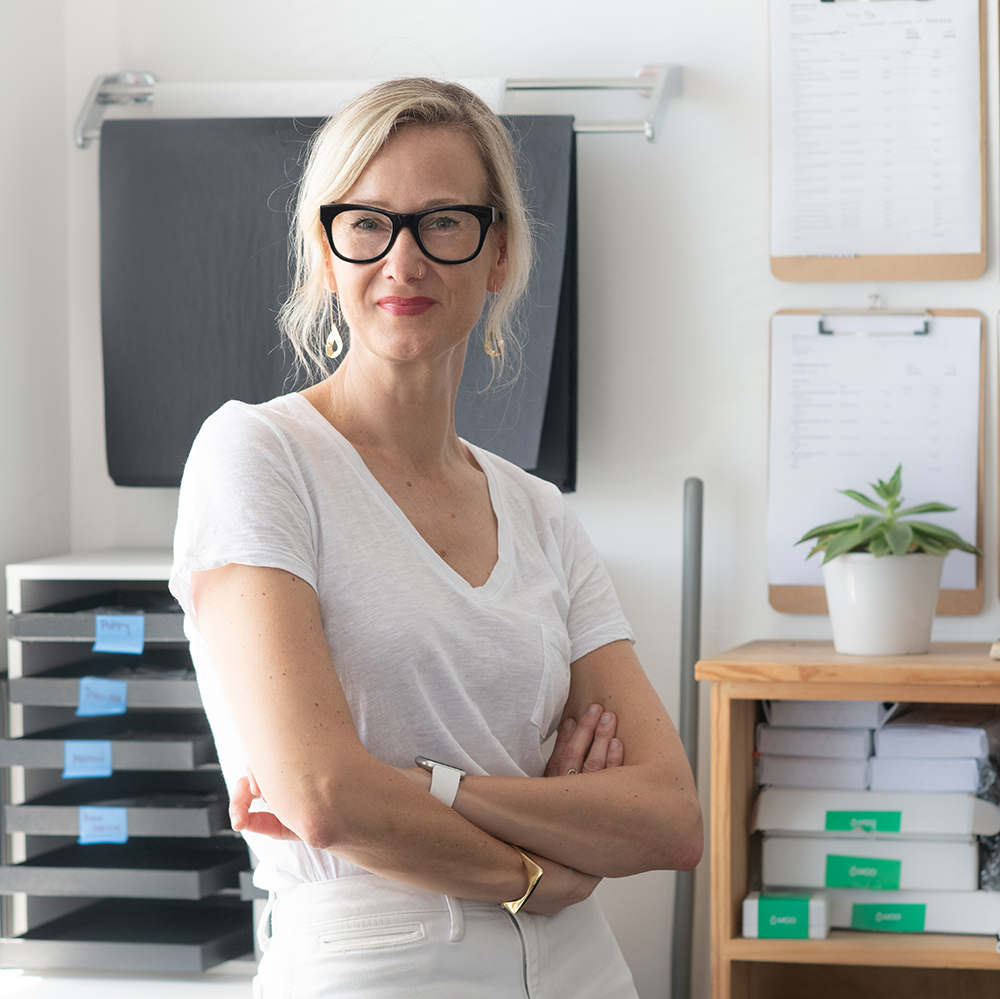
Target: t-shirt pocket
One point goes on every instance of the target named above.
(553, 690)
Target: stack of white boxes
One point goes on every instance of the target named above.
(903, 857)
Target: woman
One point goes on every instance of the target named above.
(363, 588)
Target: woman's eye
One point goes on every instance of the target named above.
(442, 223)
(369, 224)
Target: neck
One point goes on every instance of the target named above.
(402, 412)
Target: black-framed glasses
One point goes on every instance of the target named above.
(360, 234)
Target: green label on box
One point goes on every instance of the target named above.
(868, 821)
(888, 918)
(784, 916)
(862, 872)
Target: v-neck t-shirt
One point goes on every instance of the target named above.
(476, 677)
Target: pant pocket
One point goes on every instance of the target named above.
(369, 935)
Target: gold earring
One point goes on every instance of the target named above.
(335, 342)
(493, 345)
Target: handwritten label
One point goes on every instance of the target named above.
(866, 821)
(100, 696)
(86, 758)
(783, 917)
(119, 633)
(103, 825)
(888, 918)
(863, 872)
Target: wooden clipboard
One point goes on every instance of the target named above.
(905, 267)
(951, 603)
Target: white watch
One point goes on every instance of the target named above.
(444, 779)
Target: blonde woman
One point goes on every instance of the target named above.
(363, 589)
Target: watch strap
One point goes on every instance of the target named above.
(444, 782)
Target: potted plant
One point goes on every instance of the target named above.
(882, 572)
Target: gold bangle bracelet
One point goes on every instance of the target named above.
(534, 876)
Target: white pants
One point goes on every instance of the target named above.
(370, 938)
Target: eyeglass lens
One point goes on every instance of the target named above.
(360, 234)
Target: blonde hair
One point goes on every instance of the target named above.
(340, 151)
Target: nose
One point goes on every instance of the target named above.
(404, 262)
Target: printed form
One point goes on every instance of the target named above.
(847, 409)
(875, 128)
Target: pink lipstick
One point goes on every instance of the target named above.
(397, 306)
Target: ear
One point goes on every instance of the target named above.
(498, 266)
(328, 279)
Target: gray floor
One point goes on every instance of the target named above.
(229, 981)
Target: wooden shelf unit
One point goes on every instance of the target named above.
(848, 963)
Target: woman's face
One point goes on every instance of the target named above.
(406, 306)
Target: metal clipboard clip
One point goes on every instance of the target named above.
(913, 322)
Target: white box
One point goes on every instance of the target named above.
(787, 809)
(835, 743)
(871, 863)
(889, 774)
(943, 911)
(953, 731)
(786, 921)
(828, 714)
(813, 772)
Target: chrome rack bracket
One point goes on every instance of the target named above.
(660, 82)
(115, 88)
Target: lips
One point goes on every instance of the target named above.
(397, 306)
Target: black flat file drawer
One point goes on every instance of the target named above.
(144, 868)
(73, 621)
(163, 678)
(155, 741)
(136, 935)
(186, 804)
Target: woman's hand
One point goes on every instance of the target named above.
(587, 745)
(559, 887)
(243, 819)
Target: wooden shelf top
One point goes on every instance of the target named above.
(903, 950)
(952, 664)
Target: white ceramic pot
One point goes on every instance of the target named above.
(882, 606)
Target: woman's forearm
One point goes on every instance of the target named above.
(612, 823)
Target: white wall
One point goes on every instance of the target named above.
(674, 254)
(34, 446)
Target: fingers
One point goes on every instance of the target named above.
(566, 727)
(587, 742)
(597, 757)
(616, 754)
(253, 783)
(239, 804)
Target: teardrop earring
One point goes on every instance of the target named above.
(335, 342)
(493, 345)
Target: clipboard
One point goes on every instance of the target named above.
(811, 599)
(928, 266)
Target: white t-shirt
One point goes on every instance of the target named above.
(473, 676)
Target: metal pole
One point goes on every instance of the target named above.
(680, 962)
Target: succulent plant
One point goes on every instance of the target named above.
(885, 532)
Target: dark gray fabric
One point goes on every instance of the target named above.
(194, 229)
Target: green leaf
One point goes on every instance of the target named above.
(842, 543)
(941, 534)
(899, 537)
(879, 546)
(926, 508)
(928, 544)
(833, 528)
(863, 499)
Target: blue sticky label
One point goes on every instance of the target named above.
(86, 758)
(119, 633)
(100, 696)
(103, 825)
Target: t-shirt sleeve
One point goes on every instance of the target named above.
(595, 614)
(243, 499)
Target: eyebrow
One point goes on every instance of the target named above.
(433, 203)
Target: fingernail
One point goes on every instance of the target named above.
(593, 709)
(568, 725)
(606, 717)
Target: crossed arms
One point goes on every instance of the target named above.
(632, 806)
